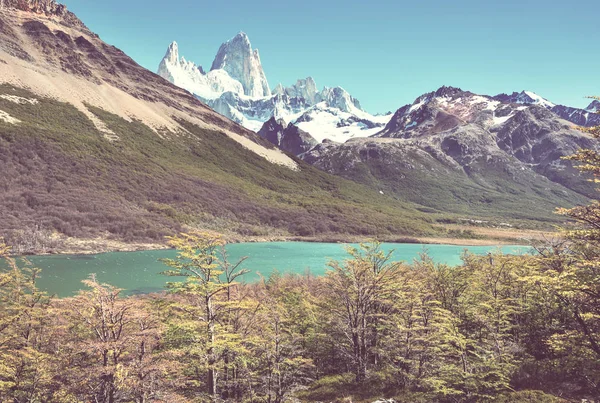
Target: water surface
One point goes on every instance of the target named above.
(139, 272)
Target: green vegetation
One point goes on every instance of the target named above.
(497, 328)
(60, 173)
(485, 191)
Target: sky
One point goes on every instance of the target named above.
(385, 53)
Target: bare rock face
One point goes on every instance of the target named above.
(594, 106)
(237, 58)
(46, 7)
(287, 137)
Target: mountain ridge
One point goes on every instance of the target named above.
(334, 113)
(453, 150)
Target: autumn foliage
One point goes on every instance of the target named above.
(496, 328)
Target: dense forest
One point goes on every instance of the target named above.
(496, 328)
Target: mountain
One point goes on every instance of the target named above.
(525, 97)
(237, 88)
(242, 63)
(92, 145)
(453, 150)
(594, 106)
(581, 117)
(208, 86)
(287, 137)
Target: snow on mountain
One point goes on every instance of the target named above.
(237, 88)
(237, 58)
(188, 75)
(525, 97)
(323, 122)
(594, 106)
(580, 117)
(457, 107)
(538, 100)
(448, 108)
(253, 112)
(304, 88)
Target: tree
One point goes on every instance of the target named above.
(361, 290)
(201, 259)
(100, 326)
(27, 367)
(285, 324)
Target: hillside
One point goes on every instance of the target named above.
(93, 145)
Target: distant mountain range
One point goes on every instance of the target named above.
(450, 150)
(236, 87)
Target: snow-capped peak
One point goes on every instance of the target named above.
(594, 106)
(538, 100)
(237, 87)
(172, 54)
(279, 89)
(188, 75)
(338, 97)
(242, 63)
(525, 98)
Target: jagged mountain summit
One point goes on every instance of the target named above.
(525, 97)
(580, 117)
(206, 86)
(236, 87)
(594, 106)
(237, 58)
(45, 7)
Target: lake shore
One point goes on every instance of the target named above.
(479, 236)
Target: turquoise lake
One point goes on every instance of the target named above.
(139, 272)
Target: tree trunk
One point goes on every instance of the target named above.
(211, 376)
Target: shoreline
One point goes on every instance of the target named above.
(74, 246)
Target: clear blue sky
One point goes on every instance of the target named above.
(385, 53)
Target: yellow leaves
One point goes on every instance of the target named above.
(4, 249)
(25, 371)
(196, 240)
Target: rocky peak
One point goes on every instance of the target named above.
(524, 97)
(46, 7)
(442, 92)
(172, 54)
(594, 106)
(279, 89)
(580, 117)
(338, 97)
(447, 91)
(304, 88)
(289, 137)
(274, 124)
(237, 58)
